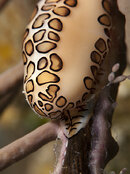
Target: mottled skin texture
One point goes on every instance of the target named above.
(63, 49)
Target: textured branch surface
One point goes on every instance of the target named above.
(103, 146)
(10, 81)
(27, 144)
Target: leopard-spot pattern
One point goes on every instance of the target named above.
(49, 66)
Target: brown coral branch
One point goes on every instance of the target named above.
(11, 79)
(94, 146)
(103, 146)
(31, 142)
(3, 3)
(5, 101)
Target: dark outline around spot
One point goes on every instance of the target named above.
(61, 62)
(58, 88)
(42, 21)
(50, 108)
(59, 99)
(104, 6)
(23, 54)
(85, 83)
(58, 79)
(55, 45)
(54, 34)
(37, 33)
(31, 98)
(32, 84)
(45, 64)
(53, 6)
(104, 44)
(104, 15)
(41, 105)
(32, 47)
(58, 21)
(62, 15)
(28, 66)
(69, 5)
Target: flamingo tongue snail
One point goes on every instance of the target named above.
(64, 46)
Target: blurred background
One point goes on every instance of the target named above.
(18, 119)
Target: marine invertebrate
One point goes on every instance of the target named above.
(63, 50)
